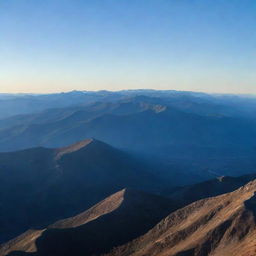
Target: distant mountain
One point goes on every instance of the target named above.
(41, 185)
(114, 221)
(224, 225)
(238, 105)
(178, 130)
(185, 195)
(17, 104)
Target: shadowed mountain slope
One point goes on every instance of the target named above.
(221, 185)
(116, 220)
(41, 185)
(219, 226)
(212, 226)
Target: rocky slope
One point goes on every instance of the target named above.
(219, 226)
(116, 220)
(125, 224)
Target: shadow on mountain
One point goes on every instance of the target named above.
(131, 220)
(250, 205)
(45, 185)
(210, 188)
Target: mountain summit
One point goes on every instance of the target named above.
(73, 148)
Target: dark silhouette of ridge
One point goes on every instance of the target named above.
(221, 185)
(42, 185)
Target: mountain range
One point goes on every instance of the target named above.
(128, 173)
(210, 135)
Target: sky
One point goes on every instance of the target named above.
(62, 45)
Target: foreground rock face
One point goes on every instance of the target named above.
(220, 226)
(114, 221)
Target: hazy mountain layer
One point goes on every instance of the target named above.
(198, 134)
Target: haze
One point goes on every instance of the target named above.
(52, 45)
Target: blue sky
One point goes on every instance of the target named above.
(61, 45)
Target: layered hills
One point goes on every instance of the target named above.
(159, 142)
(209, 135)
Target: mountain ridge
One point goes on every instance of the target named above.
(125, 210)
(43, 185)
(212, 226)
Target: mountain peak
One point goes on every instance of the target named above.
(73, 148)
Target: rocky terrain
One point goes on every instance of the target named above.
(116, 220)
(221, 226)
(134, 223)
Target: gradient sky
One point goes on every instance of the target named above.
(61, 45)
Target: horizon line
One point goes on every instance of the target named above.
(126, 90)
